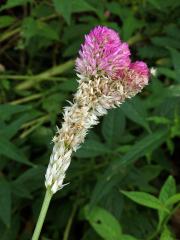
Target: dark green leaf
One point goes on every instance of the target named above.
(5, 21)
(64, 7)
(103, 223)
(81, 6)
(115, 171)
(11, 151)
(135, 111)
(5, 202)
(92, 149)
(128, 237)
(113, 126)
(14, 3)
(11, 129)
(176, 62)
(7, 110)
(30, 180)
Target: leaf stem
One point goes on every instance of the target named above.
(42, 215)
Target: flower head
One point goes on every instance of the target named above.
(102, 53)
(107, 79)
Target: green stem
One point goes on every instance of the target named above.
(155, 233)
(42, 215)
(161, 226)
(68, 226)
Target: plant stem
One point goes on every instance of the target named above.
(161, 226)
(155, 233)
(42, 215)
(68, 227)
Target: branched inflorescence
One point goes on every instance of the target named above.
(106, 78)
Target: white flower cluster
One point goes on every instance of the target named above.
(92, 100)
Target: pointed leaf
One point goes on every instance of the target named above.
(104, 223)
(64, 7)
(92, 148)
(11, 151)
(167, 191)
(113, 126)
(144, 199)
(135, 111)
(7, 110)
(166, 234)
(116, 169)
(174, 199)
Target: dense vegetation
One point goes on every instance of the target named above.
(124, 181)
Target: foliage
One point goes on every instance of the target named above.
(124, 181)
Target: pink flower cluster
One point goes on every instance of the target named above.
(103, 53)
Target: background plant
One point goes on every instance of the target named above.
(120, 184)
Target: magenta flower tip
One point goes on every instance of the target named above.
(102, 52)
(140, 67)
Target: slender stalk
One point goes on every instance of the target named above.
(69, 224)
(42, 215)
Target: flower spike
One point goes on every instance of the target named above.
(107, 77)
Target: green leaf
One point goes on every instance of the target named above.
(167, 72)
(14, 3)
(174, 199)
(5, 202)
(81, 6)
(128, 237)
(11, 129)
(66, 8)
(135, 111)
(92, 148)
(149, 172)
(159, 120)
(5, 21)
(46, 30)
(113, 126)
(114, 203)
(164, 6)
(173, 91)
(33, 28)
(29, 181)
(166, 234)
(130, 25)
(7, 110)
(168, 189)
(176, 62)
(145, 199)
(116, 170)
(156, 4)
(11, 151)
(165, 42)
(104, 223)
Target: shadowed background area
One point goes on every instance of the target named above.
(134, 148)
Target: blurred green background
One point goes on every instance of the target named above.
(134, 148)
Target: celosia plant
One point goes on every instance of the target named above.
(106, 78)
